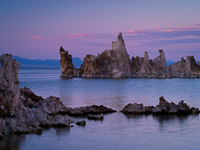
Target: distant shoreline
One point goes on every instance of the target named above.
(37, 68)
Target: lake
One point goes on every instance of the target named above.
(116, 131)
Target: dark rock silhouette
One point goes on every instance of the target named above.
(164, 107)
(96, 117)
(87, 110)
(116, 63)
(81, 123)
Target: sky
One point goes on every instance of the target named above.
(35, 29)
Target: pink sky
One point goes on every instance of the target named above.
(37, 29)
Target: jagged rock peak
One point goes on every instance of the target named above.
(67, 68)
(62, 49)
(120, 38)
(119, 45)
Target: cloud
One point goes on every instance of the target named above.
(131, 31)
(197, 24)
(169, 30)
(37, 37)
(77, 35)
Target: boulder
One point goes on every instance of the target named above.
(81, 123)
(134, 108)
(27, 93)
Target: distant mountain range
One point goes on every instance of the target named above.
(47, 63)
(169, 62)
(52, 63)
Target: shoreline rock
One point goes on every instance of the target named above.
(89, 110)
(164, 107)
(116, 63)
(22, 111)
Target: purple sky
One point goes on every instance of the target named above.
(36, 29)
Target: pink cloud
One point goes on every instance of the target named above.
(169, 30)
(37, 37)
(131, 31)
(157, 29)
(142, 29)
(77, 35)
(197, 24)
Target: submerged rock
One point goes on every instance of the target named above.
(81, 123)
(96, 117)
(164, 107)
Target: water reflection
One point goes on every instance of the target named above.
(12, 142)
(137, 116)
(170, 118)
(174, 123)
(62, 131)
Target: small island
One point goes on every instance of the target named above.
(116, 63)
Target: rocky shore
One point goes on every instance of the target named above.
(22, 111)
(164, 107)
(117, 63)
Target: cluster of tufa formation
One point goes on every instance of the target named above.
(22, 111)
(164, 107)
(116, 63)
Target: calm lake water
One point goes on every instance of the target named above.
(116, 131)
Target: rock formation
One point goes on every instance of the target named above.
(144, 67)
(67, 68)
(110, 63)
(93, 109)
(116, 63)
(185, 68)
(22, 111)
(164, 107)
